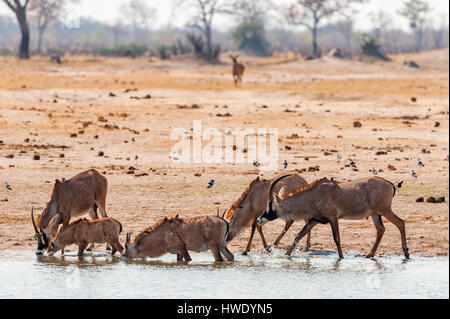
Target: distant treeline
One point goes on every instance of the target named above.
(97, 38)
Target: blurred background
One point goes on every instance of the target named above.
(205, 28)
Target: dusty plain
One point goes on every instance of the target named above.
(89, 105)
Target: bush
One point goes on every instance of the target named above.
(250, 36)
(131, 49)
(370, 47)
(164, 52)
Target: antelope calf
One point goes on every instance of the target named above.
(248, 207)
(178, 236)
(326, 201)
(238, 69)
(83, 232)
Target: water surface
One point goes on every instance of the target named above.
(316, 275)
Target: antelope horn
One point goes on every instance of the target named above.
(224, 213)
(217, 211)
(34, 223)
(128, 238)
(272, 185)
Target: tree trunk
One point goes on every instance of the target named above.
(40, 34)
(208, 42)
(24, 49)
(314, 40)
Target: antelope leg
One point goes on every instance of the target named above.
(306, 229)
(249, 244)
(380, 231)
(285, 229)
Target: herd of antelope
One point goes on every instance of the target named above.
(288, 197)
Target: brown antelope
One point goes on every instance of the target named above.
(326, 201)
(83, 232)
(245, 211)
(71, 198)
(238, 69)
(178, 236)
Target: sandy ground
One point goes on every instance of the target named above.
(313, 104)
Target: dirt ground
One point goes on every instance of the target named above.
(313, 104)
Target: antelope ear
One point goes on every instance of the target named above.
(282, 192)
(57, 181)
(276, 198)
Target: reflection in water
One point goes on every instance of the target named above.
(305, 275)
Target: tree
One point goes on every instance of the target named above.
(204, 13)
(20, 10)
(416, 11)
(311, 13)
(138, 14)
(345, 27)
(250, 34)
(45, 12)
(439, 30)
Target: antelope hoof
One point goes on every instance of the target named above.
(89, 249)
(269, 248)
(244, 253)
(307, 249)
(108, 248)
(370, 256)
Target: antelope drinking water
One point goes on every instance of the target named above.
(71, 198)
(178, 236)
(245, 211)
(326, 201)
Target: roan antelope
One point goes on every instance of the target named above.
(83, 232)
(246, 209)
(71, 198)
(238, 69)
(178, 236)
(326, 201)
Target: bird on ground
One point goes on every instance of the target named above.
(399, 184)
(210, 184)
(255, 163)
(413, 174)
(420, 163)
(352, 164)
(285, 164)
(374, 171)
(136, 157)
(8, 187)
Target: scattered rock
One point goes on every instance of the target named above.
(101, 153)
(381, 153)
(413, 99)
(287, 147)
(74, 135)
(36, 157)
(437, 124)
(391, 167)
(357, 124)
(111, 94)
(431, 199)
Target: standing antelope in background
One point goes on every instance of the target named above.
(326, 201)
(238, 69)
(245, 211)
(83, 232)
(178, 236)
(71, 198)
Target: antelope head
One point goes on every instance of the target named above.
(273, 206)
(41, 237)
(130, 248)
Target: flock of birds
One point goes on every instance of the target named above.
(285, 165)
(350, 163)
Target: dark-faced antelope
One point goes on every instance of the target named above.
(245, 211)
(74, 197)
(238, 69)
(83, 232)
(178, 236)
(326, 201)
